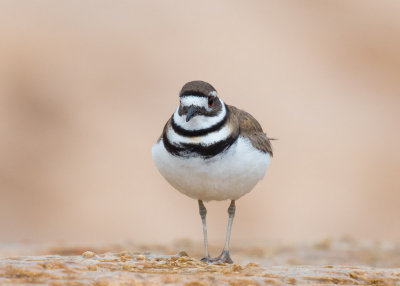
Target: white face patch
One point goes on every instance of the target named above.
(200, 121)
(200, 101)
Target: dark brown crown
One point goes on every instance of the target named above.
(197, 87)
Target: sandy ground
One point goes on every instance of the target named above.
(343, 261)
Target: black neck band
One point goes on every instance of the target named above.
(198, 150)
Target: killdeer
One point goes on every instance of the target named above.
(209, 150)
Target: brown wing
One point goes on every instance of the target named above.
(250, 128)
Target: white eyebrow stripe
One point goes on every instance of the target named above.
(213, 93)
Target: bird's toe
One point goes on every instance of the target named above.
(207, 259)
(224, 257)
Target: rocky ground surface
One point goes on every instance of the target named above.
(343, 261)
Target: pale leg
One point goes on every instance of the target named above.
(225, 255)
(203, 213)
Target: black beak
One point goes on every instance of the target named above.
(192, 111)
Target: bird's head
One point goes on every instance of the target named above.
(199, 98)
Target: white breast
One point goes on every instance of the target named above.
(229, 175)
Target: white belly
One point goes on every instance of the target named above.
(226, 176)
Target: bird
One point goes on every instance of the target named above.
(211, 151)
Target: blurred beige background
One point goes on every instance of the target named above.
(86, 87)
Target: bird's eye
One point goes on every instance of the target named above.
(210, 101)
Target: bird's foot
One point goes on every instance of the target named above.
(224, 257)
(207, 259)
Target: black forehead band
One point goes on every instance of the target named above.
(193, 93)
